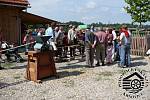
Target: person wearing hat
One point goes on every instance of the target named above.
(89, 41)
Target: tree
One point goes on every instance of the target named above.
(76, 23)
(139, 10)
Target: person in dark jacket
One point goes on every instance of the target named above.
(89, 41)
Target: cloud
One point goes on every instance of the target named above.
(91, 5)
(104, 8)
(80, 10)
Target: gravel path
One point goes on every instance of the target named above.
(76, 82)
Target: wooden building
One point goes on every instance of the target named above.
(12, 16)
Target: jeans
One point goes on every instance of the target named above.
(125, 58)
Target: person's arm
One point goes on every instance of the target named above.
(120, 38)
(95, 41)
(114, 35)
(69, 32)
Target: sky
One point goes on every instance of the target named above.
(87, 11)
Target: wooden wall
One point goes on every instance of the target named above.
(10, 24)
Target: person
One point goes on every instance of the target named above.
(65, 43)
(71, 40)
(50, 32)
(109, 46)
(40, 32)
(117, 46)
(125, 43)
(1, 39)
(114, 44)
(56, 34)
(59, 40)
(89, 41)
(35, 32)
(1, 60)
(92, 28)
(81, 41)
(28, 39)
(100, 45)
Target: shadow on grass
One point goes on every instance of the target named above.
(72, 66)
(63, 74)
(7, 66)
(138, 58)
(5, 85)
(140, 63)
(136, 64)
(19, 67)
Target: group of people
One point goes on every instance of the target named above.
(108, 44)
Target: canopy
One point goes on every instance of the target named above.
(82, 27)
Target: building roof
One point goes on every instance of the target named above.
(21, 3)
(29, 18)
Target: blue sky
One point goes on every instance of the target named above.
(87, 11)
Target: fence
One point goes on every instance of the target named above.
(140, 43)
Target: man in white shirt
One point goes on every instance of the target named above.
(125, 43)
(50, 32)
(114, 45)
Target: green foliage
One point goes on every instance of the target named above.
(139, 10)
(74, 23)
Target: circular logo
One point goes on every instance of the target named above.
(133, 81)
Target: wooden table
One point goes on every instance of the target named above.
(40, 65)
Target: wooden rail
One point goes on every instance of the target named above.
(140, 44)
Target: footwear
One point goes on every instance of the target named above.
(91, 66)
(119, 65)
(2, 61)
(1, 68)
(97, 64)
(128, 65)
(103, 64)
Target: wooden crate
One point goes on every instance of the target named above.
(40, 65)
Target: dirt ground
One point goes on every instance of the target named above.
(76, 82)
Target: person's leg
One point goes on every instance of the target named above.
(71, 51)
(82, 51)
(109, 54)
(7, 54)
(97, 55)
(0, 66)
(113, 51)
(122, 55)
(128, 56)
(92, 57)
(87, 56)
(103, 53)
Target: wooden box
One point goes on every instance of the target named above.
(40, 65)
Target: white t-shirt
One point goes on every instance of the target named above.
(71, 34)
(49, 32)
(114, 34)
(39, 34)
